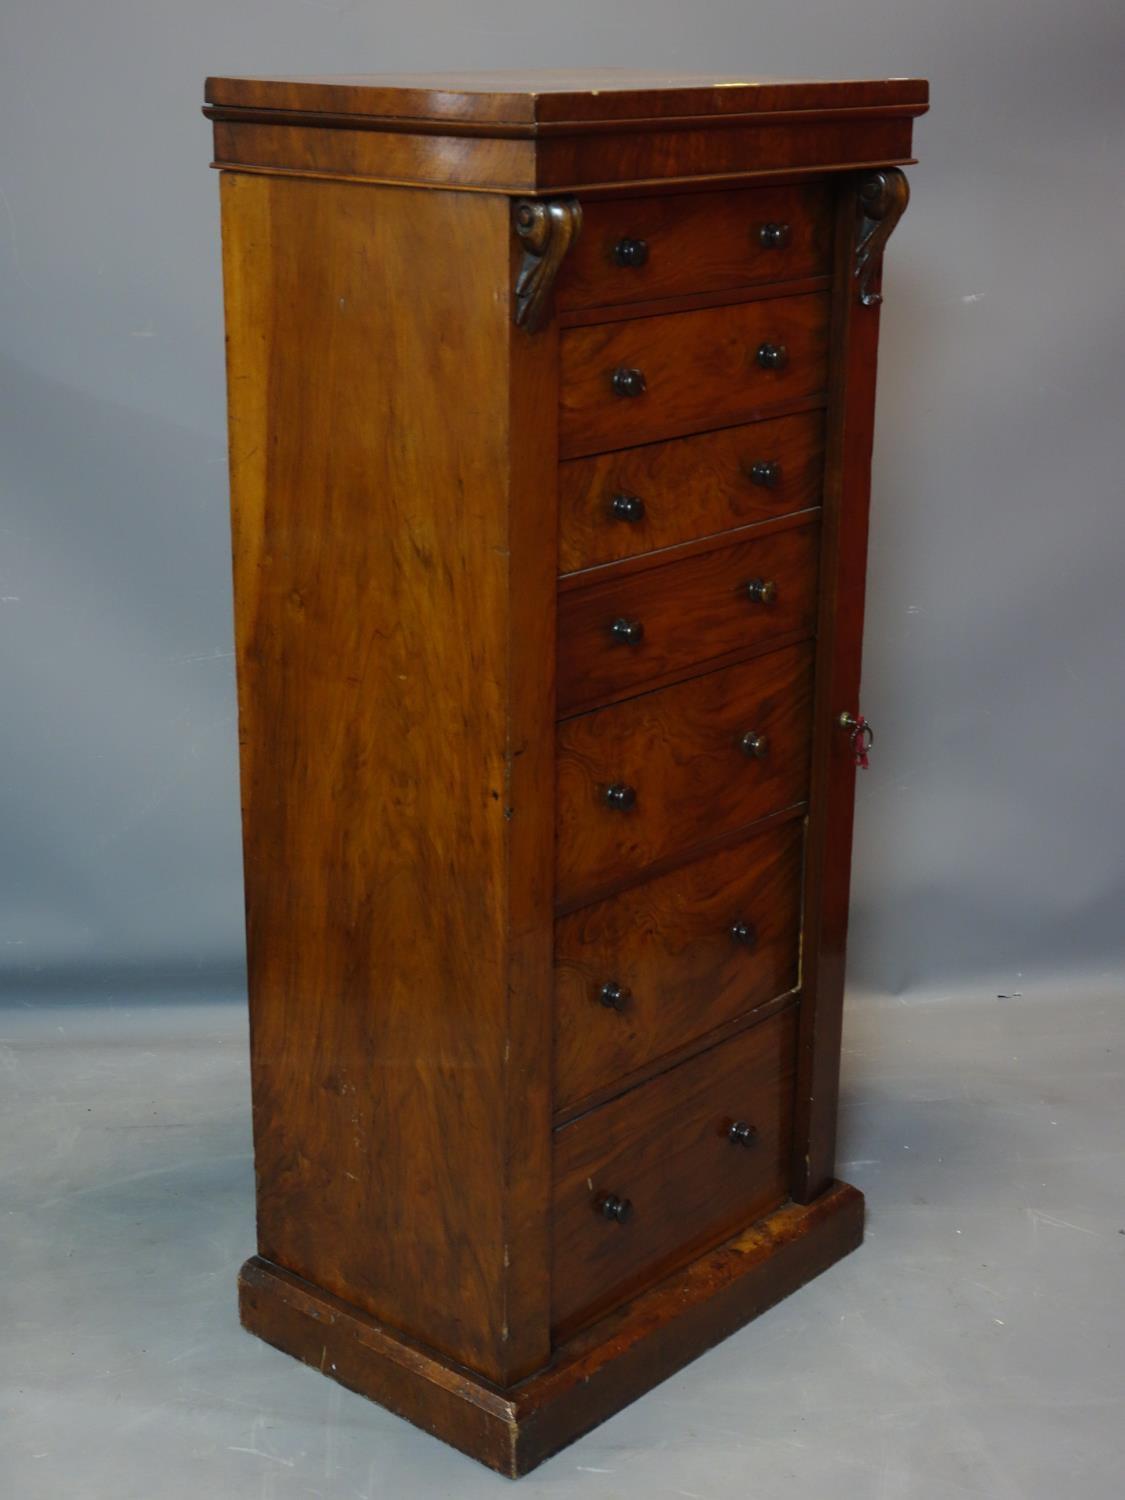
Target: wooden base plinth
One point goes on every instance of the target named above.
(592, 1376)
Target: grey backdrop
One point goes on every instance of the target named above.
(991, 845)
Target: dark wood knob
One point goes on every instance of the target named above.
(761, 590)
(744, 933)
(627, 632)
(742, 1134)
(614, 996)
(628, 382)
(629, 252)
(616, 1209)
(773, 356)
(620, 797)
(754, 745)
(629, 508)
(772, 236)
(766, 473)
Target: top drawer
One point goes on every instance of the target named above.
(631, 249)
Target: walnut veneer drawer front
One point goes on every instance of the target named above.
(624, 631)
(653, 968)
(660, 774)
(648, 1180)
(658, 377)
(621, 504)
(635, 248)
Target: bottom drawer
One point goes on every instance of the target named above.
(656, 1176)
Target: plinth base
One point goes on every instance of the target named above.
(593, 1375)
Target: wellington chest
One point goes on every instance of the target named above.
(551, 404)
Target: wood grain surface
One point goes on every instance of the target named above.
(692, 487)
(700, 371)
(378, 663)
(665, 1147)
(669, 944)
(855, 347)
(692, 610)
(542, 96)
(678, 748)
(697, 242)
(594, 1374)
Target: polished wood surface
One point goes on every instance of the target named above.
(666, 1148)
(855, 345)
(691, 610)
(549, 586)
(367, 624)
(679, 750)
(700, 371)
(542, 96)
(669, 944)
(271, 146)
(594, 1374)
(810, 142)
(697, 242)
(554, 132)
(691, 487)
(280, 142)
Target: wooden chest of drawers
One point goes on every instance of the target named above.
(551, 408)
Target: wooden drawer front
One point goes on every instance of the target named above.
(692, 611)
(700, 371)
(679, 751)
(634, 248)
(654, 968)
(665, 1148)
(622, 504)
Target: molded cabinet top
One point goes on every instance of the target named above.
(538, 100)
(558, 132)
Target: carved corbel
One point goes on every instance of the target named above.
(883, 197)
(547, 228)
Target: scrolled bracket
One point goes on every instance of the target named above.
(547, 228)
(883, 197)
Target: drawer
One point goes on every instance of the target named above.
(664, 963)
(657, 776)
(689, 371)
(635, 248)
(666, 1150)
(629, 629)
(621, 504)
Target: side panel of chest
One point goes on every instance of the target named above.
(395, 707)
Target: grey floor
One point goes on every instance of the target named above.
(973, 1347)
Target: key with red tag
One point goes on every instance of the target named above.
(862, 737)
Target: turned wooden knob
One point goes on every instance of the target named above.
(627, 632)
(773, 356)
(761, 590)
(629, 508)
(628, 382)
(773, 236)
(616, 1209)
(614, 996)
(744, 933)
(756, 746)
(630, 252)
(620, 797)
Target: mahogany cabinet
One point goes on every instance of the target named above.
(551, 404)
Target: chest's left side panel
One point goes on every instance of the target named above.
(392, 759)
